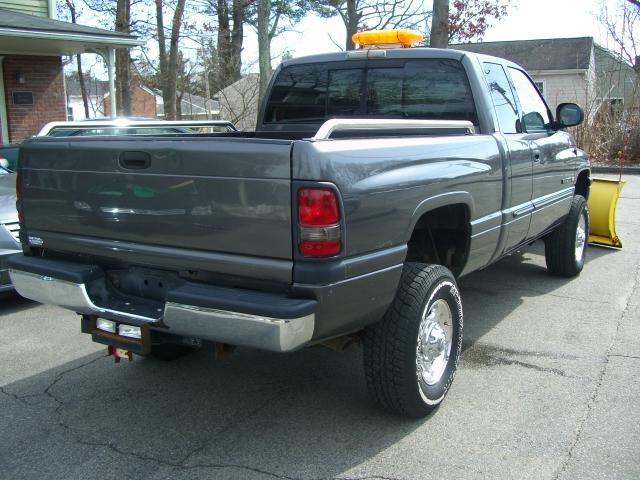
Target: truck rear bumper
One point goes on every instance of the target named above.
(262, 320)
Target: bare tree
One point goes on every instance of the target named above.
(371, 14)
(83, 89)
(470, 19)
(169, 61)
(622, 22)
(264, 46)
(231, 16)
(270, 18)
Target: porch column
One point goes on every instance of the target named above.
(111, 68)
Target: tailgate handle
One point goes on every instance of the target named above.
(135, 160)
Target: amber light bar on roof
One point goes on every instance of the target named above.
(403, 37)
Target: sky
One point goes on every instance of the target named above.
(526, 19)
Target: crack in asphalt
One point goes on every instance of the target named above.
(624, 356)
(181, 464)
(594, 395)
(46, 392)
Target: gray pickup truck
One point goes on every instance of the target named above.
(374, 179)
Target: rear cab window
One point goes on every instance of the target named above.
(431, 89)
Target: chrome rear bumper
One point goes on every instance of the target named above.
(205, 322)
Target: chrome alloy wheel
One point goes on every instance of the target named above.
(434, 342)
(581, 238)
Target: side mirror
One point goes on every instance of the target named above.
(568, 115)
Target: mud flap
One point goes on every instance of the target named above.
(603, 200)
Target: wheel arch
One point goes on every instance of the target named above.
(583, 183)
(441, 231)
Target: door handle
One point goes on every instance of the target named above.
(135, 160)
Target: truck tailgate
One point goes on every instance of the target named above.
(226, 195)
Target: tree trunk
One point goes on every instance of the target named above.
(239, 7)
(440, 24)
(230, 41)
(224, 45)
(170, 111)
(264, 46)
(162, 52)
(83, 87)
(353, 18)
(123, 61)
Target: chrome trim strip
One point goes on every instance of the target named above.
(552, 198)
(267, 333)
(337, 124)
(523, 211)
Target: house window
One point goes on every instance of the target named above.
(616, 105)
(540, 87)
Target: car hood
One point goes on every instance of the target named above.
(8, 211)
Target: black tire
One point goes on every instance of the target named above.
(170, 351)
(561, 245)
(390, 350)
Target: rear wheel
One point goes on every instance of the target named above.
(565, 248)
(411, 355)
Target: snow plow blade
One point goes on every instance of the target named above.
(603, 199)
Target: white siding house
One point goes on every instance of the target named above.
(567, 69)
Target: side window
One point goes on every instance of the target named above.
(502, 97)
(535, 116)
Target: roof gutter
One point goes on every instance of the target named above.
(114, 41)
(558, 72)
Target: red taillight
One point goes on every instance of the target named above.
(317, 206)
(319, 222)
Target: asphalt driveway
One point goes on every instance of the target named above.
(547, 389)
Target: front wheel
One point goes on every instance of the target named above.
(411, 355)
(565, 248)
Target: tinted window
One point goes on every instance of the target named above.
(502, 97)
(424, 89)
(535, 116)
(299, 93)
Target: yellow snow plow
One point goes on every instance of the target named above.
(603, 200)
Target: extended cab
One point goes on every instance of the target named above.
(374, 179)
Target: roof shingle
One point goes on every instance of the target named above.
(545, 54)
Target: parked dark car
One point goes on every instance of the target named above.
(9, 156)
(9, 228)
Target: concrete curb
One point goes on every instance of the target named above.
(626, 171)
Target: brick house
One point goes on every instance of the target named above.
(569, 70)
(32, 90)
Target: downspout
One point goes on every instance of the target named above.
(3, 107)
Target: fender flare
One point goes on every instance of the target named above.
(442, 200)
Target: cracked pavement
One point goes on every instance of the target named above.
(547, 389)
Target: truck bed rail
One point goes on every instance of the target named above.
(348, 124)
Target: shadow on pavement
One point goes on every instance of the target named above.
(11, 302)
(491, 294)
